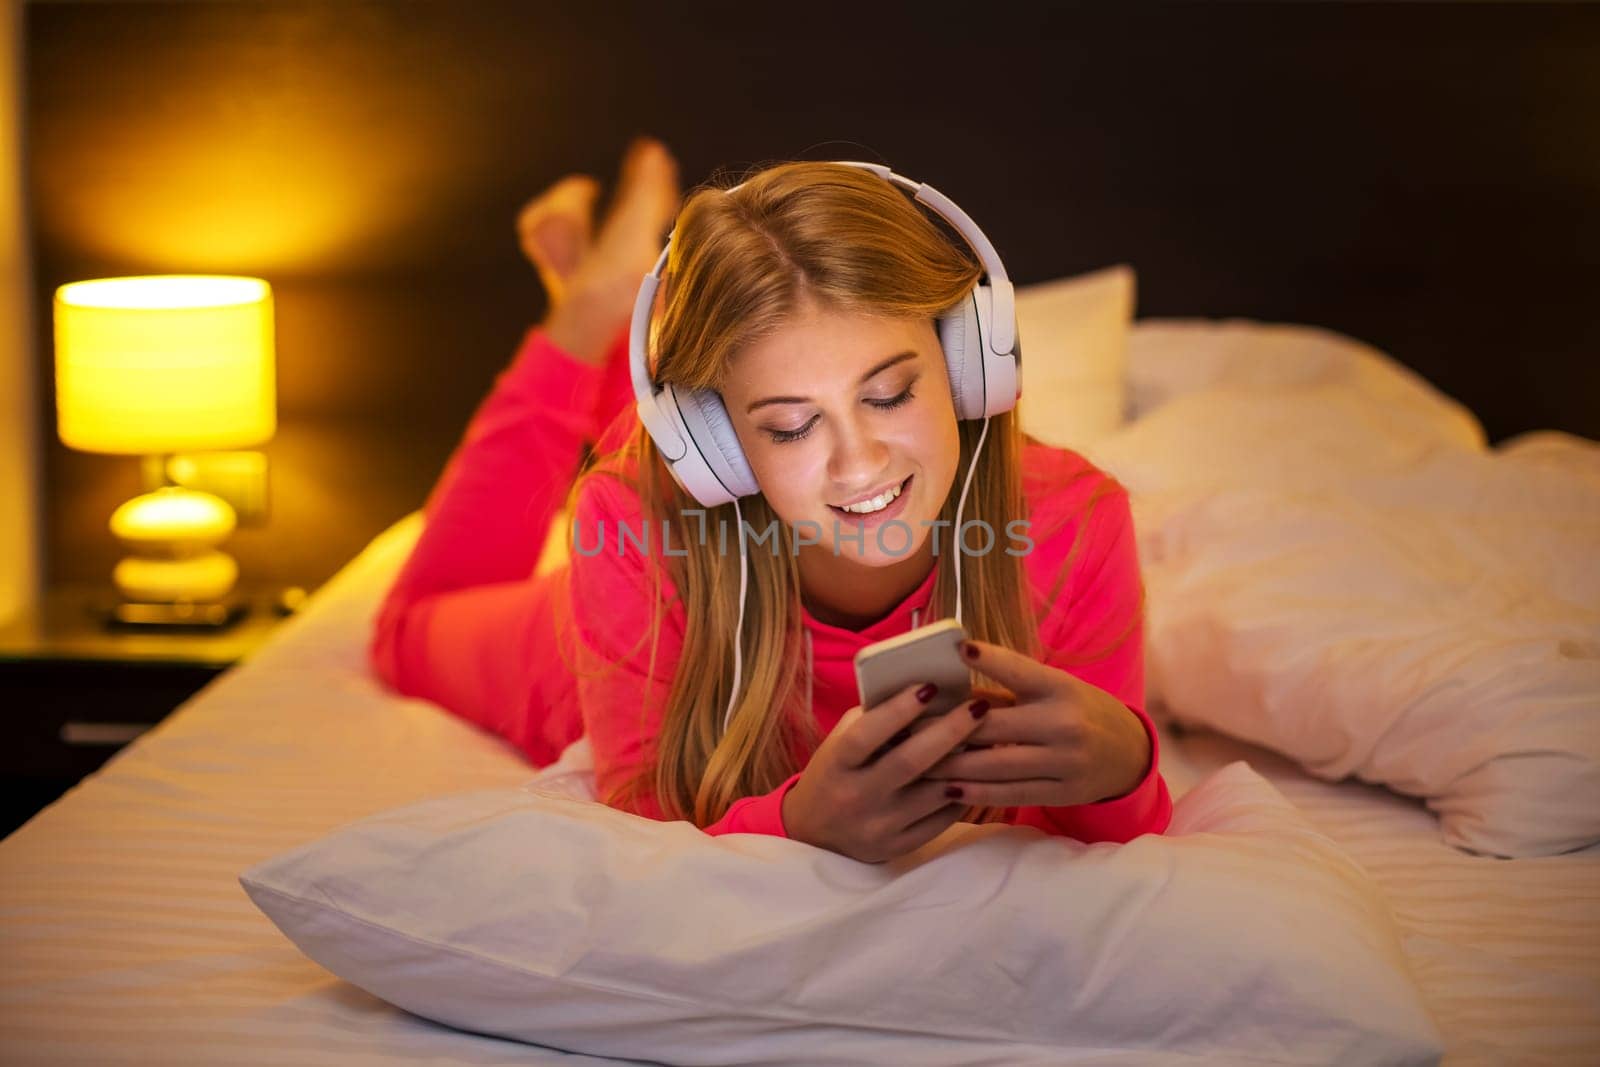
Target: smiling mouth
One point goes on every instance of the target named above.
(885, 500)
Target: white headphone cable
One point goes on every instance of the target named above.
(738, 627)
(962, 503)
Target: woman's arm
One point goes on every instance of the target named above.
(621, 692)
(1101, 619)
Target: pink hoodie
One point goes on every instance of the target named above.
(465, 625)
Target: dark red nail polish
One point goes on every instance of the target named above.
(969, 650)
(980, 708)
(925, 694)
(953, 791)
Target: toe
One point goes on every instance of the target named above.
(573, 196)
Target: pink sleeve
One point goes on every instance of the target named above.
(456, 626)
(623, 694)
(1102, 599)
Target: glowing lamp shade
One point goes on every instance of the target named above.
(169, 363)
(160, 365)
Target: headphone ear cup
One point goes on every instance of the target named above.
(962, 341)
(711, 431)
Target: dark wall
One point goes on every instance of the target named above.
(1423, 176)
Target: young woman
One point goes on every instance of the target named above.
(807, 298)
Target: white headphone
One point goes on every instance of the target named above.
(690, 427)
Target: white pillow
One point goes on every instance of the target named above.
(1169, 358)
(1074, 334)
(538, 915)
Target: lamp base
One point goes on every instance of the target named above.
(200, 579)
(176, 615)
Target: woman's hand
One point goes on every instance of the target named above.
(870, 809)
(1061, 741)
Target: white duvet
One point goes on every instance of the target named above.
(1338, 568)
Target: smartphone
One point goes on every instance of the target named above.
(930, 653)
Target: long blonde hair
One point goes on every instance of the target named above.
(742, 262)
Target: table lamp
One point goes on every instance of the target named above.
(159, 365)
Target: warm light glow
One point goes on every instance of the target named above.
(179, 521)
(165, 292)
(165, 364)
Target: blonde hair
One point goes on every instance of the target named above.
(743, 262)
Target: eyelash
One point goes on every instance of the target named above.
(786, 436)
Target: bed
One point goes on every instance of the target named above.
(127, 937)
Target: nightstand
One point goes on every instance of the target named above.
(74, 692)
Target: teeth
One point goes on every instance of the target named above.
(877, 503)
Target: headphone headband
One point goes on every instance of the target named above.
(1004, 335)
(1005, 319)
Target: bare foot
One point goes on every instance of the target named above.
(592, 299)
(555, 228)
(641, 211)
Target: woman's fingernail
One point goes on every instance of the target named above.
(953, 791)
(969, 650)
(980, 708)
(925, 694)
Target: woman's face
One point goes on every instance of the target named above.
(839, 408)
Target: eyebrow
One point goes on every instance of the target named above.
(880, 368)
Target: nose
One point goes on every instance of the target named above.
(859, 459)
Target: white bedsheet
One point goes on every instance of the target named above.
(1506, 952)
(126, 936)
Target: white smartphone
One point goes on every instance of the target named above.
(930, 653)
